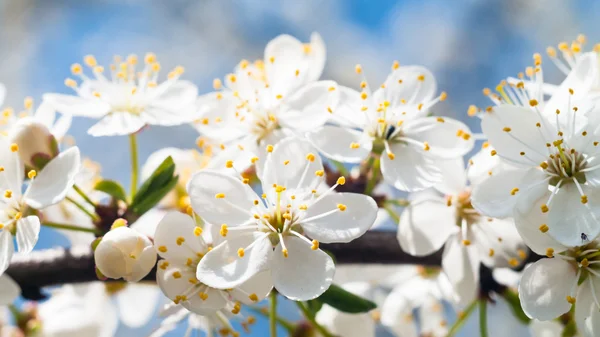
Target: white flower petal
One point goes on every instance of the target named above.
(545, 328)
(348, 112)
(568, 217)
(145, 262)
(337, 143)
(223, 268)
(222, 106)
(287, 163)
(529, 218)
(7, 249)
(425, 226)
(117, 124)
(454, 175)
(45, 114)
(176, 232)
(461, 264)
(483, 164)
(411, 170)
(544, 288)
(317, 56)
(445, 138)
(78, 106)
(340, 226)
(284, 55)
(403, 84)
(432, 317)
(10, 290)
(397, 314)
(259, 285)
(587, 315)
(347, 325)
(305, 274)
(28, 232)
(2, 93)
(178, 95)
(496, 196)
(203, 188)
(62, 125)
(137, 303)
(521, 123)
(55, 180)
(308, 107)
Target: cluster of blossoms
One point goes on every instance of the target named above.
(254, 209)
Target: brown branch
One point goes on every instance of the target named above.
(58, 266)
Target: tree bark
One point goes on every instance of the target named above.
(57, 266)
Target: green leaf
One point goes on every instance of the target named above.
(570, 329)
(314, 306)
(155, 187)
(346, 301)
(112, 188)
(514, 303)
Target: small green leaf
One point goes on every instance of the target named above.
(112, 188)
(155, 187)
(314, 306)
(515, 305)
(346, 301)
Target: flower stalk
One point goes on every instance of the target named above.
(133, 150)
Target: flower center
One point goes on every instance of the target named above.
(565, 164)
(464, 208)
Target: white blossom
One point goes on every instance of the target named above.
(268, 100)
(271, 232)
(394, 119)
(552, 147)
(45, 188)
(125, 253)
(127, 99)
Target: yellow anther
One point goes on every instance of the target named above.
(443, 96)
(28, 102)
(229, 164)
(514, 191)
(31, 174)
(198, 231)
(363, 84)
(358, 69)
(279, 96)
(533, 102)
(217, 84)
(279, 188)
(544, 228)
(162, 249)
(18, 216)
(303, 207)
(363, 95)
(246, 181)
(253, 160)
(269, 148)
(354, 145)
(395, 65)
(155, 67)
(163, 265)
(420, 106)
(180, 240)
(189, 262)
(241, 252)
(571, 91)
(584, 199)
(285, 253)
(466, 242)
(287, 216)
(342, 207)
(7, 193)
(551, 51)
(506, 129)
(492, 252)
(329, 109)
(493, 152)
(472, 111)
(315, 245)
(391, 155)
(426, 146)
(76, 69)
(319, 173)
(90, 61)
(177, 275)
(544, 208)
(220, 195)
(571, 300)
(253, 297)
(513, 262)
(440, 119)
(341, 180)
(203, 295)
(96, 94)
(544, 165)
(311, 157)
(285, 162)
(120, 222)
(223, 230)
(421, 78)
(150, 58)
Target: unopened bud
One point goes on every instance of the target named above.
(36, 145)
(125, 253)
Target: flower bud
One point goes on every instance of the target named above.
(125, 253)
(37, 146)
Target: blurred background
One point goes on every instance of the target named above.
(468, 44)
